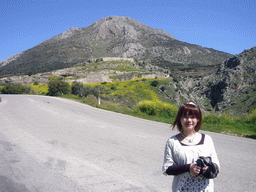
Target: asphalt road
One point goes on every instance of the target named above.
(50, 144)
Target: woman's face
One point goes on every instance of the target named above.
(188, 122)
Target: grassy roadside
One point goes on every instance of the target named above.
(141, 98)
(242, 127)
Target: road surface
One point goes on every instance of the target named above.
(51, 144)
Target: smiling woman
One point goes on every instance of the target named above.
(188, 109)
(184, 150)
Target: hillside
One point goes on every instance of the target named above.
(104, 69)
(231, 89)
(112, 36)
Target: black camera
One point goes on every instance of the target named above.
(212, 170)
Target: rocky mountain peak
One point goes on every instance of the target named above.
(111, 36)
(124, 26)
(113, 26)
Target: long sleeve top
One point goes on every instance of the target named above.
(178, 158)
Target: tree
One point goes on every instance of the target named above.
(12, 89)
(58, 87)
(95, 91)
(81, 91)
(77, 88)
(86, 91)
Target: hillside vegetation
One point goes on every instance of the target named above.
(145, 98)
(225, 88)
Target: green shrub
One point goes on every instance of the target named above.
(154, 83)
(162, 88)
(113, 87)
(58, 87)
(40, 88)
(18, 89)
(111, 106)
(77, 88)
(158, 108)
(223, 119)
(211, 118)
(81, 91)
(85, 91)
(92, 100)
(226, 119)
(12, 89)
(95, 91)
(251, 117)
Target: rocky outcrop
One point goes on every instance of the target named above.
(232, 89)
(232, 62)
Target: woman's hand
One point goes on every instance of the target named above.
(194, 169)
(205, 168)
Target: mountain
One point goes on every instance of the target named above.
(231, 89)
(112, 36)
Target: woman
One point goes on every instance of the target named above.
(183, 150)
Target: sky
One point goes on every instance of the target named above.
(224, 25)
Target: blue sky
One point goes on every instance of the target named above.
(226, 25)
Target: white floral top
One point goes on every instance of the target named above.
(177, 153)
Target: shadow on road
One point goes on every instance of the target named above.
(7, 184)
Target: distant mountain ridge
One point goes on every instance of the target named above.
(112, 36)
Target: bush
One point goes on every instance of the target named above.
(92, 100)
(18, 89)
(12, 89)
(40, 88)
(77, 88)
(113, 87)
(109, 106)
(86, 91)
(251, 117)
(95, 91)
(154, 83)
(158, 108)
(58, 87)
(212, 119)
(81, 91)
(162, 88)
